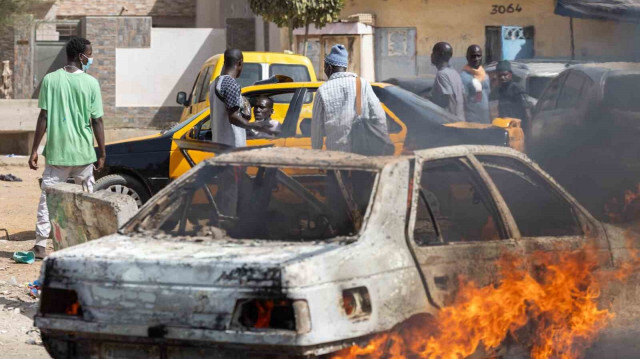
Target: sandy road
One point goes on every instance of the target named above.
(18, 203)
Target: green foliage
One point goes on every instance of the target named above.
(11, 8)
(298, 13)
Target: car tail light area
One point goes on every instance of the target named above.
(60, 302)
(270, 314)
(356, 302)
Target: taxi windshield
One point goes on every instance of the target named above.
(270, 203)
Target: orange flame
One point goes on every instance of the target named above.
(265, 308)
(552, 313)
(626, 210)
(73, 309)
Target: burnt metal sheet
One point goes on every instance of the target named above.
(616, 10)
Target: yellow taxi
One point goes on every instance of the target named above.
(257, 66)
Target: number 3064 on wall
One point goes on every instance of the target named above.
(505, 9)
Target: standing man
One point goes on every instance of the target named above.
(512, 100)
(476, 87)
(71, 115)
(334, 108)
(228, 120)
(447, 89)
(262, 111)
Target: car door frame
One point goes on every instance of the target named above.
(592, 230)
(437, 263)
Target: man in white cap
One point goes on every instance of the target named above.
(335, 108)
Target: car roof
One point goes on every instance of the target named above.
(299, 157)
(463, 150)
(268, 57)
(287, 156)
(537, 68)
(596, 70)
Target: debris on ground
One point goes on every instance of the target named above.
(10, 178)
(34, 289)
(24, 257)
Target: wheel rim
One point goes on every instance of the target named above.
(128, 191)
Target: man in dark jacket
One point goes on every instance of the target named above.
(512, 100)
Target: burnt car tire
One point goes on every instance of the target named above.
(124, 184)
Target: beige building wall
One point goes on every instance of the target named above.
(462, 23)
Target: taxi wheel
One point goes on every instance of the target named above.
(124, 184)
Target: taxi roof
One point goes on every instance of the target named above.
(268, 57)
(295, 85)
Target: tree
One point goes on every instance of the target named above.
(298, 13)
(11, 8)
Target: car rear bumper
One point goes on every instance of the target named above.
(141, 341)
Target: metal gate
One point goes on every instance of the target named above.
(50, 55)
(395, 52)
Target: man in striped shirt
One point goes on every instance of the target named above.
(334, 108)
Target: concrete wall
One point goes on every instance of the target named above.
(17, 125)
(214, 14)
(462, 23)
(108, 34)
(18, 115)
(151, 77)
(78, 217)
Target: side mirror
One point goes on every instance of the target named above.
(182, 98)
(193, 134)
(305, 127)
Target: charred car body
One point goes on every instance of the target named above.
(287, 252)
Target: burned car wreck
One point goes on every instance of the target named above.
(282, 252)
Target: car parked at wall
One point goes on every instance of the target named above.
(533, 75)
(257, 66)
(284, 252)
(585, 131)
(140, 167)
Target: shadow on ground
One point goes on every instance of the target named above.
(20, 236)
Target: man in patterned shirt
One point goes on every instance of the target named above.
(334, 108)
(228, 120)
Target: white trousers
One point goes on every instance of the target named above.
(82, 175)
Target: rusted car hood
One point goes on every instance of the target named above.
(124, 259)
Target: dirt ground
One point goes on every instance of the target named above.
(18, 204)
(19, 339)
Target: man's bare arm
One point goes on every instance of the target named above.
(98, 132)
(41, 128)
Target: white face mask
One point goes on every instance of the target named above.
(86, 66)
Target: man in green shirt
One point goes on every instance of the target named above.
(70, 115)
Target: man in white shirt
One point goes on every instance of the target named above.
(334, 108)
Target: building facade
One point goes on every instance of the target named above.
(406, 30)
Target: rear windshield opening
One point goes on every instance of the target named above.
(262, 203)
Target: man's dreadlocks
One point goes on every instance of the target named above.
(76, 46)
